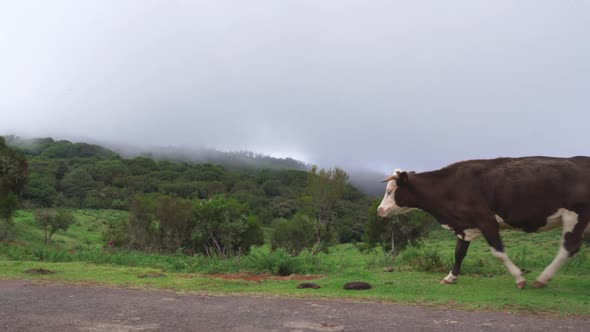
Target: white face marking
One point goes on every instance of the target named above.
(388, 204)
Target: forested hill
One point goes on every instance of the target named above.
(80, 175)
(233, 160)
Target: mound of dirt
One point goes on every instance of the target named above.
(309, 285)
(388, 269)
(357, 285)
(152, 275)
(39, 271)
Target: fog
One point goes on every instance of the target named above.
(356, 84)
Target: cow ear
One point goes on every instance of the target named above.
(402, 180)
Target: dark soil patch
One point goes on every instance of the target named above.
(39, 271)
(151, 275)
(309, 285)
(262, 277)
(357, 285)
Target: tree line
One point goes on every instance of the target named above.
(196, 208)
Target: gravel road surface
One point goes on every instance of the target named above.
(27, 306)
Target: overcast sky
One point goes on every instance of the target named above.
(375, 84)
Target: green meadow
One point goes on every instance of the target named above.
(82, 256)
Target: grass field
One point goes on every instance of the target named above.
(78, 256)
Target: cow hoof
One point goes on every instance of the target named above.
(445, 282)
(539, 284)
(521, 284)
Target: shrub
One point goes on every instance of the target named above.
(294, 235)
(427, 260)
(262, 259)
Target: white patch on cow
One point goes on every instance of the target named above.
(451, 277)
(469, 234)
(447, 227)
(555, 220)
(502, 223)
(569, 220)
(515, 271)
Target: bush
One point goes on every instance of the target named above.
(52, 221)
(294, 235)
(289, 265)
(262, 259)
(5, 228)
(222, 227)
(426, 260)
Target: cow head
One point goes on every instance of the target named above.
(391, 201)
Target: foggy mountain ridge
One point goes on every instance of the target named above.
(366, 180)
(230, 159)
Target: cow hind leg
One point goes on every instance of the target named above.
(492, 235)
(571, 239)
(460, 252)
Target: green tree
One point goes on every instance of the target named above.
(116, 231)
(272, 187)
(144, 229)
(102, 198)
(61, 170)
(294, 235)
(325, 188)
(175, 218)
(107, 170)
(253, 235)
(214, 188)
(39, 191)
(182, 189)
(13, 177)
(221, 227)
(284, 207)
(77, 183)
(51, 221)
(141, 165)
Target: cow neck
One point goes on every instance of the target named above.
(426, 193)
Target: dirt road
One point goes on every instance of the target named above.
(25, 306)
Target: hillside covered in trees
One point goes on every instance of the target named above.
(199, 208)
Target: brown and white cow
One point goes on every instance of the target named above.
(476, 197)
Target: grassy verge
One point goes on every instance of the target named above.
(566, 296)
(79, 256)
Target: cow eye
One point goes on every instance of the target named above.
(389, 192)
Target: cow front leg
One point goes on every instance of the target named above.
(492, 236)
(460, 251)
(571, 240)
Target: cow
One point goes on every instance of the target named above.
(480, 197)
